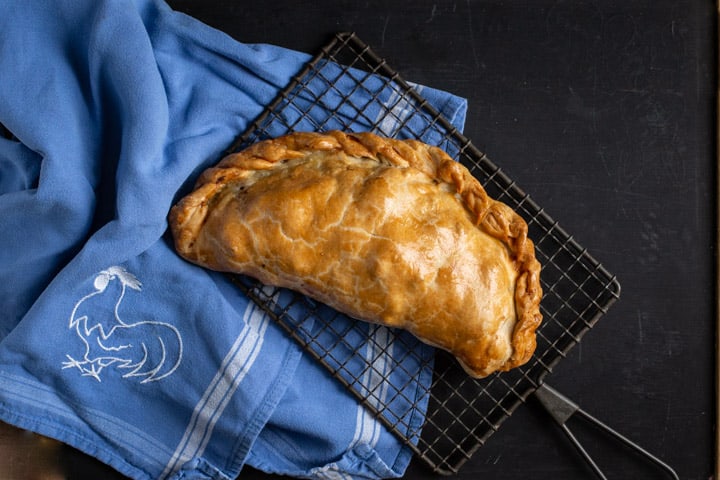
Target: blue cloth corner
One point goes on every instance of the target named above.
(108, 340)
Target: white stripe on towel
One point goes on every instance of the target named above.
(374, 385)
(232, 371)
(392, 122)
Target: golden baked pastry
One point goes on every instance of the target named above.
(387, 231)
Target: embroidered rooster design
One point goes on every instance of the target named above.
(147, 350)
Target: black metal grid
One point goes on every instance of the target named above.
(462, 412)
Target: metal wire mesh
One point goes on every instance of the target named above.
(348, 87)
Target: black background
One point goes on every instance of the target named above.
(604, 112)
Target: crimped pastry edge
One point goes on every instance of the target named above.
(491, 216)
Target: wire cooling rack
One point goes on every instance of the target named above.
(349, 87)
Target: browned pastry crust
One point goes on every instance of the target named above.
(388, 231)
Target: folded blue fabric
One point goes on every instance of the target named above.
(109, 341)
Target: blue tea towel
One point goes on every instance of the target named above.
(108, 340)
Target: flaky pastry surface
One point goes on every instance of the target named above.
(387, 231)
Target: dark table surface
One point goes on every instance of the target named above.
(604, 112)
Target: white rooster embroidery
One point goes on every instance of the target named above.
(146, 349)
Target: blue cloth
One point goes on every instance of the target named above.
(108, 340)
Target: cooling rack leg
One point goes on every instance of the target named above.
(561, 409)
